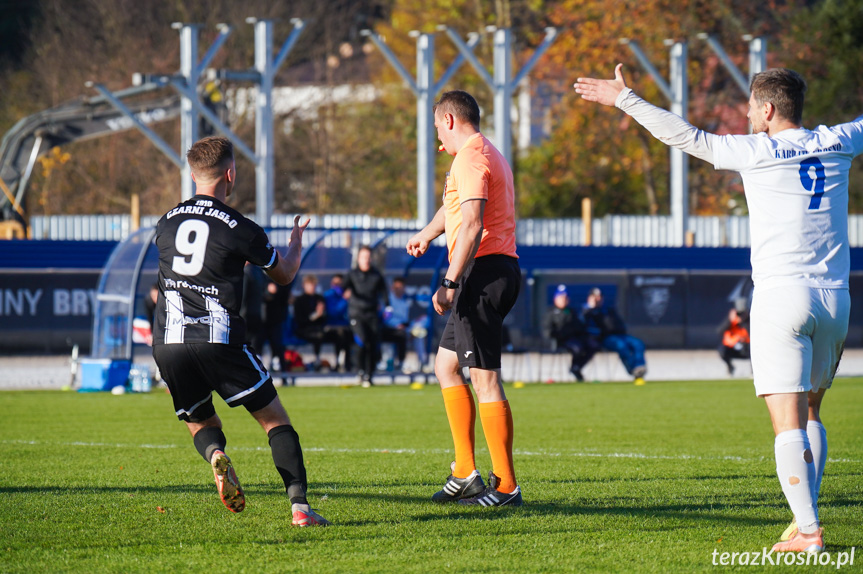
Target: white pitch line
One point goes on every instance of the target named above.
(635, 455)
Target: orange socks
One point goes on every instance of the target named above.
(497, 425)
(461, 413)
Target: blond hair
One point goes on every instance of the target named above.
(210, 157)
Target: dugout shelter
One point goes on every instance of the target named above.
(672, 298)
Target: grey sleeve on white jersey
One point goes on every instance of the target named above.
(668, 128)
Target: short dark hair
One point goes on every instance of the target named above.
(364, 247)
(399, 280)
(460, 104)
(210, 157)
(783, 88)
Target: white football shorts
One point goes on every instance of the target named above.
(797, 335)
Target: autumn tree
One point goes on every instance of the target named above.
(599, 153)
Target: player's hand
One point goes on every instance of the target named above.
(443, 300)
(297, 231)
(604, 92)
(288, 264)
(417, 246)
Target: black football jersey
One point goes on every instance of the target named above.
(203, 246)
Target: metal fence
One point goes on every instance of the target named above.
(611, 230)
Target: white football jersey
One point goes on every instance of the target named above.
(796, 186)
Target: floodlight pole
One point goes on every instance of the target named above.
(190, 74)
(189, 71)
(425, 88)
(265, 141)
(503, 83)
(263, 74)
(264, 133)
(757, 54)
(678, 92)
(425, 93)
(503, 88)
(185, 82)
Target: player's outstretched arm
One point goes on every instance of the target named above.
(665, 126)
(289, 263)
(604, 92)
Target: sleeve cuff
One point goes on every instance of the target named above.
(273, 260)
(618, 103)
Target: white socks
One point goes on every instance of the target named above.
(796, 471)
(818, 444)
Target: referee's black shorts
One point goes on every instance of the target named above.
(488, 290)
(193, 370)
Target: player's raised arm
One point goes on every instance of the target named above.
(289, 263)
(668, 128)
(604, 92)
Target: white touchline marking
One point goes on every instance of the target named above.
(426, 451)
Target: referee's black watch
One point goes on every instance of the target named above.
(448, 284)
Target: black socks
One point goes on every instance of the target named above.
(288, 457)
(208, 440)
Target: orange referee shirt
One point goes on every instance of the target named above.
(479, 171)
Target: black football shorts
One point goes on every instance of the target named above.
(488, 291)
(193, 370)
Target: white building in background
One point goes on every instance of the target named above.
(298, 102)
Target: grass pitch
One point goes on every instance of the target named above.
(616, 478)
